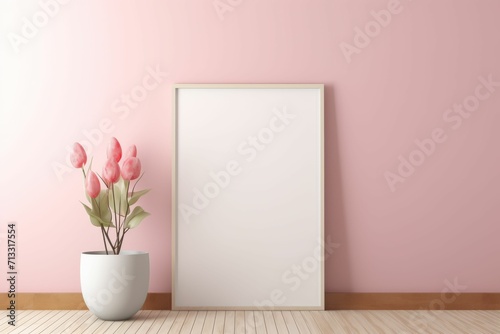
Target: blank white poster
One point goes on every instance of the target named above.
(248, 197)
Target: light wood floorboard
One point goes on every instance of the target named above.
(219, 322)
(148, 322)
(270, 324)
(260, 325)
(198, 323)
(229, 322)
(290, 322)
(171, 323)
(301, 323)
(250, 327)
(208, 326)
(23, 316)
(258, 322)
(189, 322)
(239, 322)
(164, 321)
(37, 317)
(311, 324)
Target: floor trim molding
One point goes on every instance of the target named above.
(333, 301)
(412, 301)
(74, 301)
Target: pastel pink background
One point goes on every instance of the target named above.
(441, 224)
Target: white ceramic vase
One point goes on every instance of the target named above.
(114, 287)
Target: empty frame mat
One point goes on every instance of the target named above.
(248, 197)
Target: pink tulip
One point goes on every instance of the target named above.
(114, 150)
(131, 152)
(111, 172)
(92, 185)
(78, 157)
(131, 168)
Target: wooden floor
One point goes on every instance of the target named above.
(257, 322)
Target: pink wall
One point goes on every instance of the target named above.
(67, 78)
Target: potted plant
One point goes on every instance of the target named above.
(114, 281)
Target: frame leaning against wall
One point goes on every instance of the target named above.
(248, 197)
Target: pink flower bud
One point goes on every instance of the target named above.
(131, 168)
(114, 150)
(78, 157)
(92, 185)
(131, 152)
(111, 172)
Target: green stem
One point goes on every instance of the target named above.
(123, 236)
(123, 228)
(110, 242)
(133, 188)
(102, 228)
(104, 240)
(114, 208)
(118, 223)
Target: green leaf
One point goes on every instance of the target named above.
(136, 217)
(120, 198)
(138, 194)
(114, 197)
(100, 208)
(95, 219)
(104, 210)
